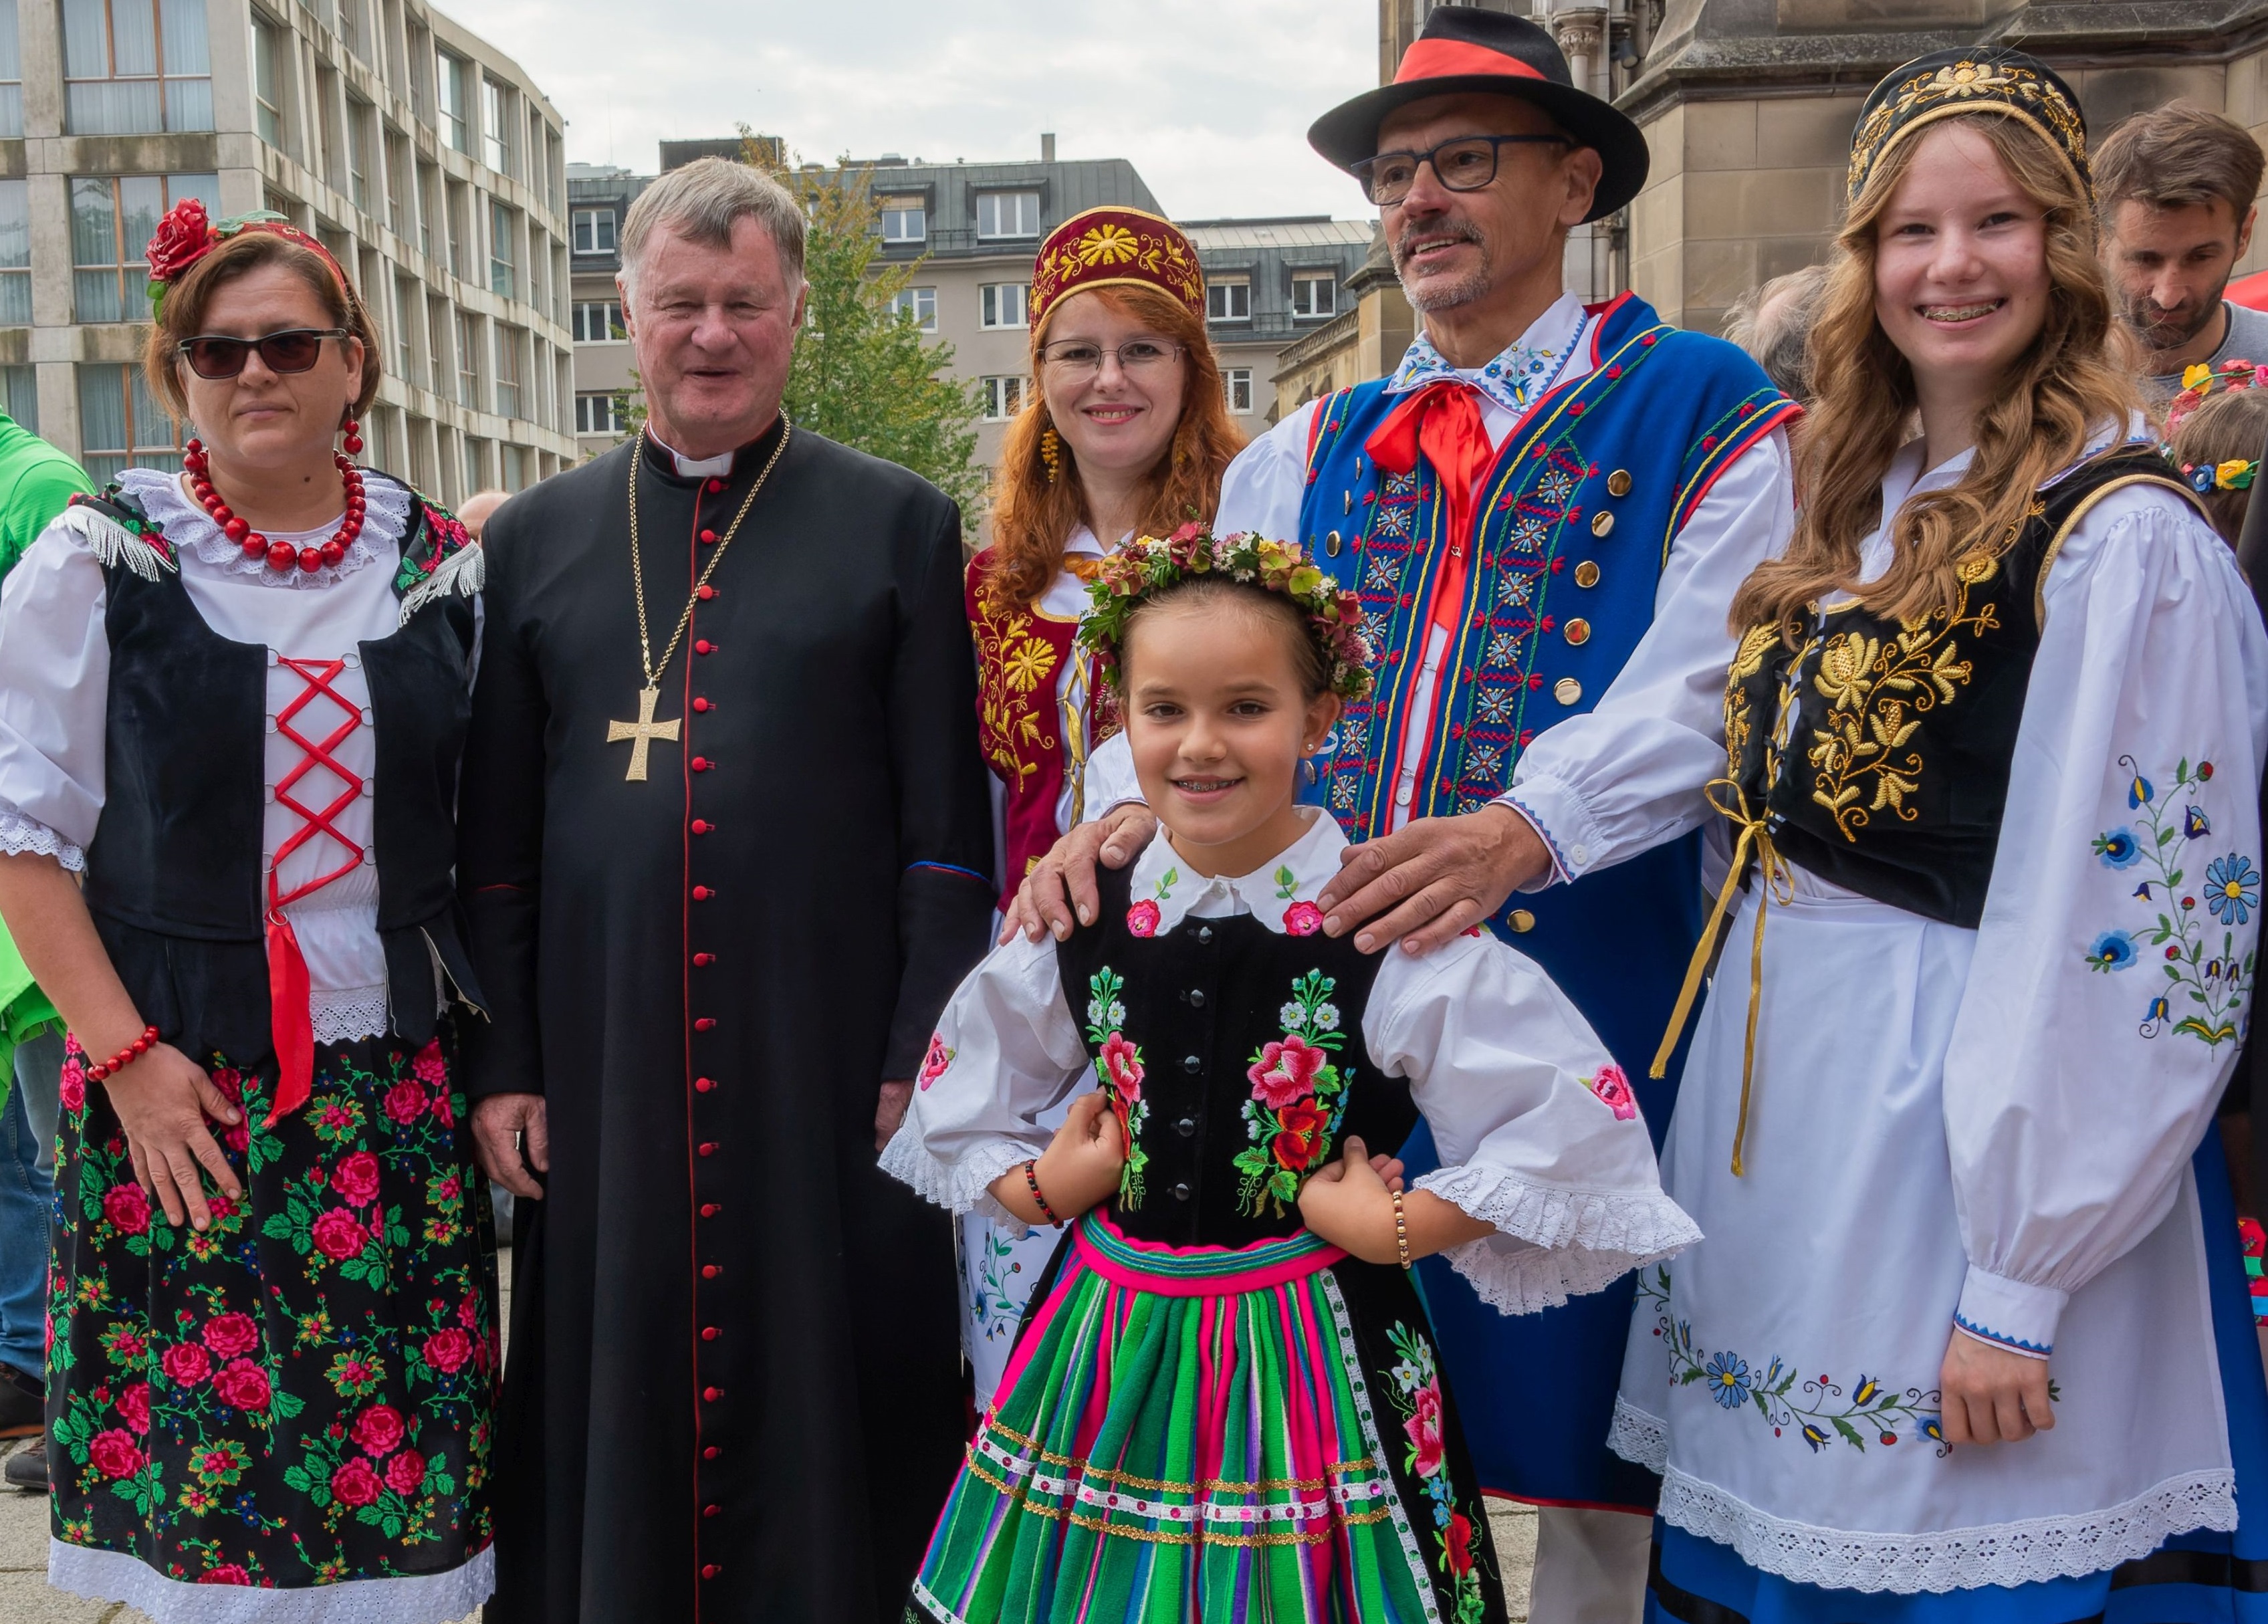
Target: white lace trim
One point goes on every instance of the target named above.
(1579, 1241)
(425, 1598)
(19, 832)
(190, 529)
(961, 1186)
(1639, 1438)
(349, 1013)
(2023, 1553)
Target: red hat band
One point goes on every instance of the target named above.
(1442, 59)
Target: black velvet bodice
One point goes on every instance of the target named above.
(1233, 1055)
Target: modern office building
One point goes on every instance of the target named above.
(424, 160)
(1271, 285)
(597, 197)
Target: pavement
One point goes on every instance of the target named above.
(26, 1596)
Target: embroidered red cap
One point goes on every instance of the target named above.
(1463, 49)
(1107, 247)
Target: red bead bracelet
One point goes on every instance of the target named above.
(125, 1057)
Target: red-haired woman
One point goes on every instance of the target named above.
(232, 697)
(1128, 433)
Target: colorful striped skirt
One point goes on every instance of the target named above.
(1254, 1434)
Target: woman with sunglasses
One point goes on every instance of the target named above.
(1127, 432)
(232, 696)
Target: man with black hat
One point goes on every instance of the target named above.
(1546, 510)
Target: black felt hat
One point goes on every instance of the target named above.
(1464, 49)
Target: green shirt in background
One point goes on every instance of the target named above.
(37, 481)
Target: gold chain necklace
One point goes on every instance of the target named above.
(645, 729)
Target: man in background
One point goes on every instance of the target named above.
(479, 508)
(1773, 324)
(37, 481)
(2174, 188)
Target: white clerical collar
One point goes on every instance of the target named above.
(1281, 892)
(694, 467)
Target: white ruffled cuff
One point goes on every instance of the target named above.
(1577, 1241)
(21, 833)
(964, 1184)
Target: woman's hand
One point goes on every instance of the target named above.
(162, 1100)
(1079, 1169)
(1992, 1395)
(1350, 1203)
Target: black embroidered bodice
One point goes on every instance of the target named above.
(1877, 753)
(1234, 1056)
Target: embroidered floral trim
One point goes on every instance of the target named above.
(1417, 1397)
(441, 539)
(1299, 1097)
(2020, 1552)
(1118, 1066)
(20, 833)
(1144, 916)
(935, 1061)
(2210, 988)
(1579, 1241)
(1819, 1410)
(159, 492)
(116, 532)
(1614, 1091)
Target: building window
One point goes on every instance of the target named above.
(350, 25)
(501, 231)
(437, 343)
(20, 395)
(397, 173)
(405, 355)
(1228, 300)
(594, 231)
(468, 361)
(1003, 398)
(11, 74)
(905, 219)
(267, 83)
(450, 73)
(476, 460)
(919, 303)
(360, 117)
(1002, 303)
(113, 218)
(1315, 293)
(134, 67)
(595, 414)
(121, 424)
(496, 128)
(507, 370)
(1236, 389)
(599, 323)
(15, 256)
(461, 228)
(1008, 214)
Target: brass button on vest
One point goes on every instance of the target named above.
(1577, 631)
(1567, 691)
(1522, 920)
(1586, 574)
(1618, 483)
(1601, 523)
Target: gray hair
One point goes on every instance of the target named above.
(703, 201)
(1773, 324)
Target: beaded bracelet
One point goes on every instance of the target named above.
(125, 1057)
(1032, 1178)
(1401, 1230)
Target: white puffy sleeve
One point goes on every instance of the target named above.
(1263, 488)
(54, 685)
(1628, 774)
(2104, 1006)
(1538, 1132)
(1005, 1050)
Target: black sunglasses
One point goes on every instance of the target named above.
(295, 349)
(1464, 164)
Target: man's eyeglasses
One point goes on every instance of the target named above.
(1464, 165)
(295, 349)
(1073, 359)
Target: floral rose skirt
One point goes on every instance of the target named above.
(303, 1394)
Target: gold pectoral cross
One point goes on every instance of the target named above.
(641, 733)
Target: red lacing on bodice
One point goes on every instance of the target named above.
(290, 1022)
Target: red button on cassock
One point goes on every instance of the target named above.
(711, 1452)
(701, 645)
(702, 704)
(710, 1511)
(702, 894)
(706, 593)
(702, 826)
(706, 1022)
(705, 960)
(702, 1086)
(708, 535)
(699, 763)
(716, 485)
(708, 1148)
(709, 1210)
(711, 1571)
(709, 1333)
(710, 1271)
(712, 1393)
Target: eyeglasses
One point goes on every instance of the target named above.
(1464, 165)
(295, 349)
(1072, 359)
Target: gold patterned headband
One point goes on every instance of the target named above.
(1948, 84)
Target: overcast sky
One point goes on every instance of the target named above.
(1210, 99)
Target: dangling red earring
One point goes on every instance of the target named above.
(353, 437)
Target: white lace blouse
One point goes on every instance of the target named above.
(55, 670)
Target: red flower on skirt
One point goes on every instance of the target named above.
(337, 1236)
(74, 1083)
(243, 1385)
(405, 1102)
(446, 1351)
(128, 1208)
(185, 1364)
(354, 1483)
(231, 1335)
(378, 1430)
(1461, 1545)
(1424, 1429)
(356, 1180)
(114, 1453)
(134, 1404)
(405, 1472)
(1300, 1135)
(227, 1573)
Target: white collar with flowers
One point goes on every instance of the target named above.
(1516, 379)
(1280, 893)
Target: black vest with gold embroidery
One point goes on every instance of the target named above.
(1878, 752)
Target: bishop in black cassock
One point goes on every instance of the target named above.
(733, 1390)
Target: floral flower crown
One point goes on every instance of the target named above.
(2199, 383)
(186, 235)
(1146, 565)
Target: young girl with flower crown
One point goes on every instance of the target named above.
(1225, 1395)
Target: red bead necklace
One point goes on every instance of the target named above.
(280, 555)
